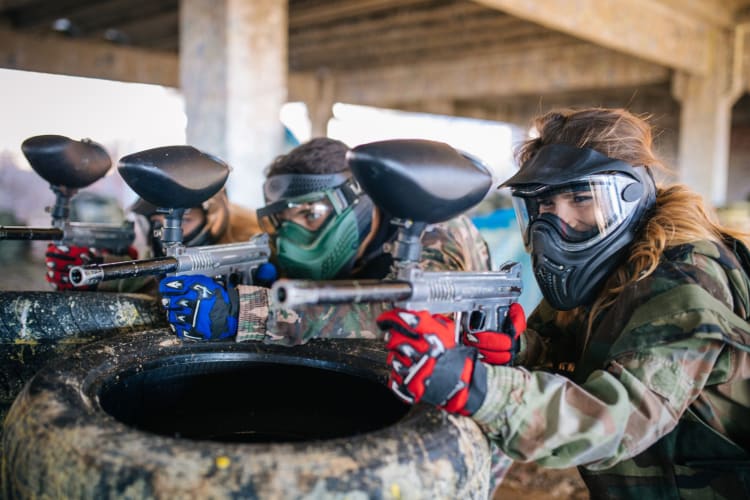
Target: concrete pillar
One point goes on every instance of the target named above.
(705, 120)
(320, 108)
(233, 73)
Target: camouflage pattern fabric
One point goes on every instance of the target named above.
(455, 245)
(657, 403)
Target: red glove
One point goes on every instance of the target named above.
(499, 348)
(132, 252)
(60, 258)
(427, 365)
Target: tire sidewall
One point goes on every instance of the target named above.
(59, 442)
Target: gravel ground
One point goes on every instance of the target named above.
(531, 482)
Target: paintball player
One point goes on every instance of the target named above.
(636, 364)
(322, 227)
(216, 221)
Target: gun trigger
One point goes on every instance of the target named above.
(407, 350)
(476, 321)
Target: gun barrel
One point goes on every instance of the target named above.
(290, 293)
(93, 274)
(30, 233)
(486, 295)
(95, 235)
(99, 235)
(450, 291)
(213, 260)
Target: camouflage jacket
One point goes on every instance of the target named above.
(660, 389)
(455, 245)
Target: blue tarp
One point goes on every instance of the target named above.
(500, 229)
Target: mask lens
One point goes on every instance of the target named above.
(583, 211)
(522, 216)
(310, 211)
(312, 216)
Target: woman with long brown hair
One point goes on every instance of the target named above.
(636, 365)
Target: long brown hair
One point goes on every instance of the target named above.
(680, 215)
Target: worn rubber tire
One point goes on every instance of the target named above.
(36, 327)
(262, 421)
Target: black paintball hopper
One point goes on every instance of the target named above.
(419, 180)
(62, 161)
(174, 176)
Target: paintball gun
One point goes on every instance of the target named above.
(175, 178)
(68, 166)
(420, 183)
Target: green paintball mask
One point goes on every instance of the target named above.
(316, 234)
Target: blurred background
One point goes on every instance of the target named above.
(247, 80)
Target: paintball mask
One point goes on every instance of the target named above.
(317, 221)
(578, 211)
(212, 220)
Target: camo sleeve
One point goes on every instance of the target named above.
(615, 414)
(455, 245)
(675, 341)
(544, 345)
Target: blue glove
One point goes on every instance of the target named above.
(265, 275)
(199, 308)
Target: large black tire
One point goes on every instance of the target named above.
(146, 416)
(36, 327)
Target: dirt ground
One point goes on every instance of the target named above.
(531, 482)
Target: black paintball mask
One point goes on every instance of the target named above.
(214, 223)
(579, 211)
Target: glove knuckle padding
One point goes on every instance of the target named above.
(199, 308)
(171, 286)
(426, 365)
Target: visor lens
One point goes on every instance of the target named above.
(309, 212)
(583, 212)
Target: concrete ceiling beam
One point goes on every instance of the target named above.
(57, 54)
(535, 71)
(657, 32)
(538, 70)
